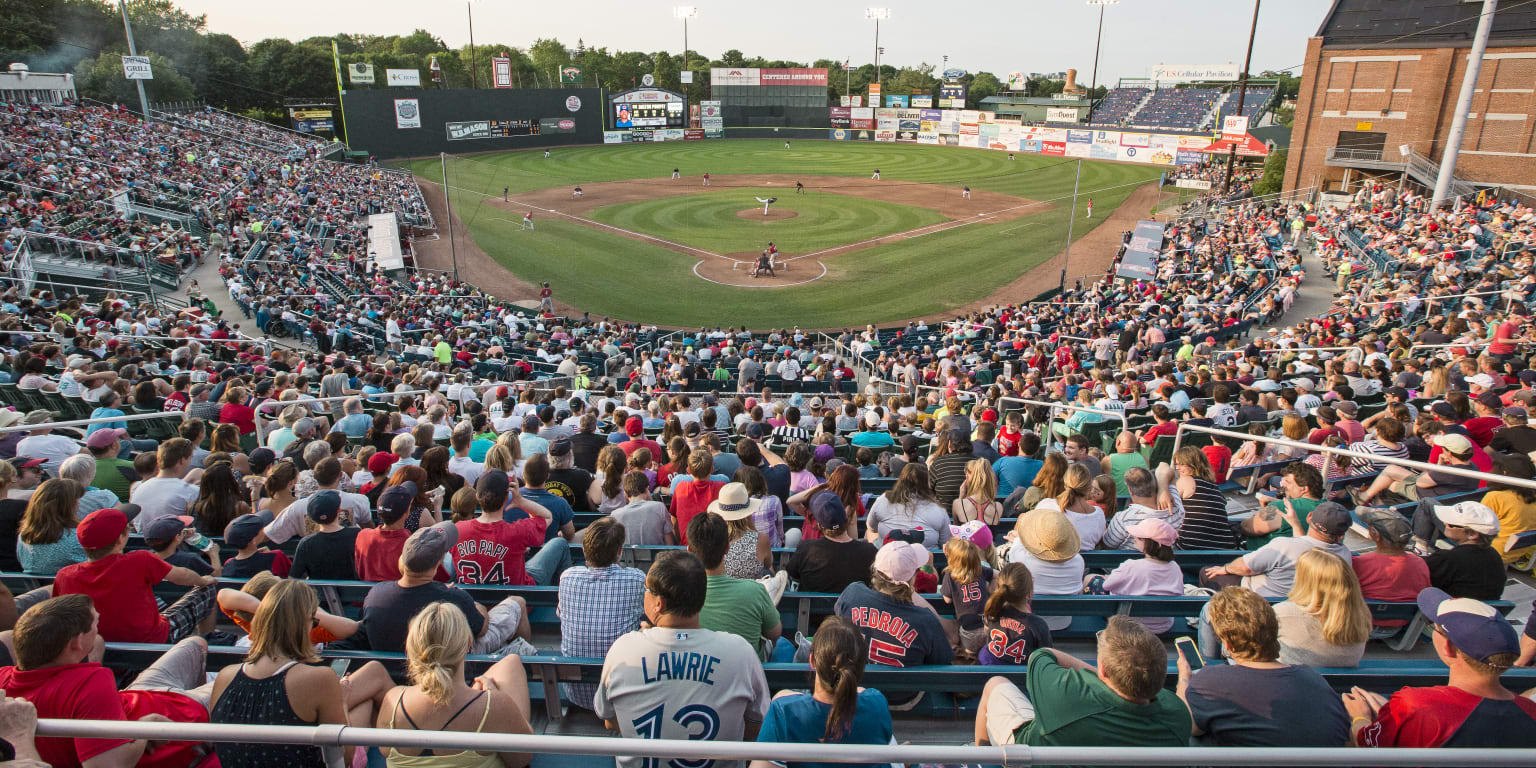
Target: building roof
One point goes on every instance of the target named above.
(1422, 24)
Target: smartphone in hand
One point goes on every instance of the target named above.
(1191, 654)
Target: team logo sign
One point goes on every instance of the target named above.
(573, 104)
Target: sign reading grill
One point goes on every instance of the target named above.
(491, 129)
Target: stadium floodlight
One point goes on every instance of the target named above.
(684, 11)
(878, 14)
(1098, 38)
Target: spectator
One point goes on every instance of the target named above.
(645, 522)
(1067, 702)
(1257, 700)
(599, 602)
(947, 472)
(1012, 632)
(1153, 574)
(243, 534)
(741, 607)
(438, 638)
(1047, 484)
(41, 443)
(910, 508)
(1301, 488)
(165, 539)
(492, 550)
(694, 496)
(561, 516)
(902, 629)
(1206, 524)
(326, 553)
(1324, 621)
(1401, 484)
(235, 411)
(978, 497)
(377, 555)
(354, 423)
(173, 490)
(121, 586)
(640, 677)
(1151, 499)
(965, 584)
(1018, 471)
(835, 559)
(112, 473)
(836, 710)
(748, 555)
(1514, 505)
(1390, 572)
(1471, 568)
(1076, 502)
(46, 540)
(220, 500)
(566, 480)
(1127, 456)
(1474, 710)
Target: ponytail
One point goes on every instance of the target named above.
(1014, 584)
(435, 645)
(838, 655)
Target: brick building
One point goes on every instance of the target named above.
(1380, 75)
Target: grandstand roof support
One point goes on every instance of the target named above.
(1463, 104)
(132, 51)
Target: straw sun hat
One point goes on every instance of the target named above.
(1048, 535)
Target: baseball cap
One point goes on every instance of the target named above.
(38, 416)
(493, 482)
(1331, 517)
(1347, 408)
(816, 402)
(1397, 392)
(989, 414)
(1482, 380)
(1471, 515)
(1491, 400)
(633, 426)
(324, 507)
(755, 430)
(1473, 626)
(1326, 413)
(379, 463)
(396, 501)
(164, 529)
(976, 532)
(560, 446)
(828, 511)
(532, 424)
(909, 443)
(10, 417)
(899, 560)
(958, 436)
(1156, 529)
(304, 426)
(1528, 376)
(425, 548)
(1390, 525)
(1517, 410)
(1443, 409)
(872, 419)
(260, 459)
(26, 462)
(1454, 442)
(102, 438)
(100, 529)
(242, 530)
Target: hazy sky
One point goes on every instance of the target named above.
(999, 36)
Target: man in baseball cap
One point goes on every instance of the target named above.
(1472, 568)
(1477, 644)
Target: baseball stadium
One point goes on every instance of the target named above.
(393, 400)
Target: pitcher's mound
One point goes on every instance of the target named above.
(774, 214)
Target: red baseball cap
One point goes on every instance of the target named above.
(634, 426)
(101, 529)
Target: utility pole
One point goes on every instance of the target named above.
(1066, 257)
(877, 14)
(1242, 93)
(469, 7)
(1097, 39)
(448, 204)
(1463, 103)
(128, 29)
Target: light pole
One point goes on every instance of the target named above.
(128, 30)
(1242, 93)
(877, 14)
(684, 12)
(1098, 38)
(469, 8)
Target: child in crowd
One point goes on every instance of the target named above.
(1104, 495)
(464, 505)
(967, 583)
(1012, 631)
(165, 536)
(251, 559)
(868, 469)
(1154, 574)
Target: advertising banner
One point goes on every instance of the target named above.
(407, 113)
(952, 95)
(1164, 150)
(641, 136)
(570, 74)
(403, 78)
(856, 100)
(667, 134)
(693, 134)
(1192, 184)
(1185, 72)
(887, 123)
(1132, 154)
(1135, 139)
(906, 137)
(885, 113)
(1079, 150)
(1057, 148)
(927, 137)
(1017, 81)
(863, 118)
(1194, 142)
(909, 124)
(1029, 145)
(501, 72)
(970, 116)
(922, 101)
(990, 130)
(137, 68)
(488, 129)
(897, 101)
(797, 76)
(1103, 151)
(874, 94)
(841, 117)
(1079, 137)
(970, 129)
(714, 133)
(1234, 128)
(886, 136)
(360, 74)
(1060, 115)
(845, 101)
(735, 76)
(557, 125)
(1189, 157)
(711, 116)
(932, 115)
(974, 142)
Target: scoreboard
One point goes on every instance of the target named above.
(491, 129)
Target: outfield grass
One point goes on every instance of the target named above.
(608, 274)
(710, 220)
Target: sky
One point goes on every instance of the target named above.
(998, 36)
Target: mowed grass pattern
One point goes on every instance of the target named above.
(609, 274)
(710, 220)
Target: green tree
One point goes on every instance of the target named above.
(665, 68)
(29, 25)
(1290, 85)
(102, 79)
(984, 84)
(1274, 174)
(286, 70)
(733, 58)
(548, 55)
(913, 79)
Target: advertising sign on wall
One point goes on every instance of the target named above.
(693, 134)
(863, 118)
(734, 76)
(856, 100)
(407, 113)
(137, 68)
(616, 137)
(557, 125)
(1234, 128)
(952, 95)
(1189, 157)
(360, 74)
(1060, 115)
(922, 102)
(1057, 148)
(570, 74)
(501, 72)
(841, 117)
(874, 93)
(897, 101)
(403, 78)
(1186, 72)
(796, 76)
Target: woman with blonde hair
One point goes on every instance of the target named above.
(46, 539)
(1076, 502)
(1324, 621)
(438, 699)
(978, 495)
(1437, 382)
(1047, 484)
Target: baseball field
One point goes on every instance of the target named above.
(640, 245)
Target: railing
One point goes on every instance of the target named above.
(1125, 423)
(911, 754)
(1421, 466)
(181, 415)
(1356, 153)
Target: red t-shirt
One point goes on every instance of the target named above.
(1482, 428)
(1169, 428)
(121, 587)
(176, 401)
(376, 556)
(495, 553)
(1220, 458)
(1008, 442)
(1397, 579)
(241, 416)
(69, 692)
(690, 498)
(1445, 716)
(630, 446)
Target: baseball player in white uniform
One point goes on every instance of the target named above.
(677, 680)
(766, 201)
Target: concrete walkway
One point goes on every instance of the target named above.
(1313, 297)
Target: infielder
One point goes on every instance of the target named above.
(1090, 209)
(676, 175)
(799, 188)
(528, 220)
(706, 179)
(575, 193)
(766, 201)
(965, 192)
(876, 175)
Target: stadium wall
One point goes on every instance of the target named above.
(410, 122)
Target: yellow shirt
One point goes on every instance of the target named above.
(1515, 516)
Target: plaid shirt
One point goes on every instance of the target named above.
(596, 606)
(769, 520)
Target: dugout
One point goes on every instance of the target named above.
(760, 102)
(409, 122)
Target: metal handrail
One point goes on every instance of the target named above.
(1050, 420)
(87, 422)
(1421, 466)
(1011, 755)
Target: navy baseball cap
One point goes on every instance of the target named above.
(242, 530)
(828, 510)
(324, 507)
(1473, 626)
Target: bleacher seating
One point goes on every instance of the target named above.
(1117, 105)
(1180, 109)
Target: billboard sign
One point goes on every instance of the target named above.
(570, 74)
(874, 94)
(407, 113)
(856, 100)
(501, 72)
(735, 76)
(403, 78)
(954, 74)
(1017, 81)
(897, 101)
(360, 73)
(1192, 184)
(952, 95)
(922, 102)
(557, 125)
(491, 129)
(795, 76)
(137, 68)
(711, 117)
(841, 117)
(1060, 115)
(1187, 72)
(616, 137)
(1234, 128)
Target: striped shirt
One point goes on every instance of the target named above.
(1375, 448)
(596, 607)
(1206, 525)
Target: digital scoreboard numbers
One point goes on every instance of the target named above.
(491, 129)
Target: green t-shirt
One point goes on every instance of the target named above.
(1303, 508)
(1074, 708)
(115, 475)
(738, 606)
(1121, 463)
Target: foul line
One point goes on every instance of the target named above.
(739, 285)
